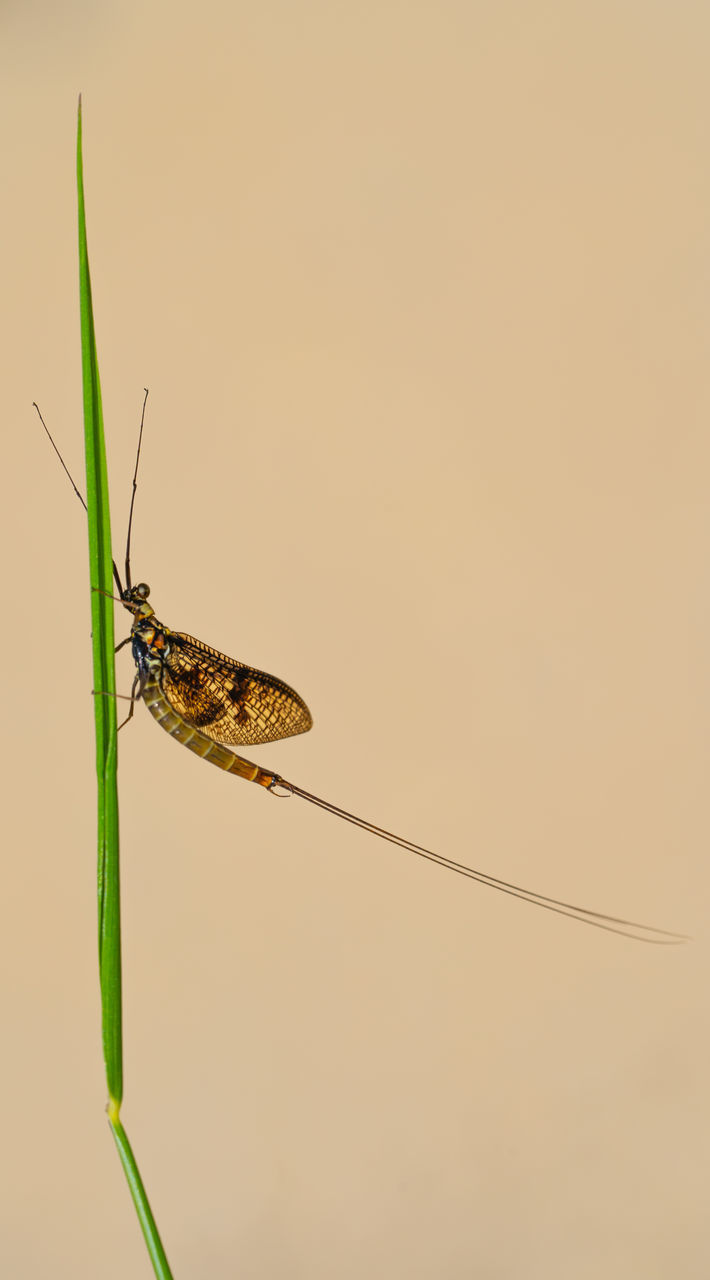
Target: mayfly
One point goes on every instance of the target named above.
(211, 703)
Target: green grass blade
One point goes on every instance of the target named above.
(101, 574)
(101, 577)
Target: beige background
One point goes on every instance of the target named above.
(420, 293)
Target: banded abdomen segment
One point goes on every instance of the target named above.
(172, 723)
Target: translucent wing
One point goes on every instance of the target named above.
(225, 699)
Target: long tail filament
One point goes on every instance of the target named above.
(597, 919)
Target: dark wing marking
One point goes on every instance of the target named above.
(225, 699)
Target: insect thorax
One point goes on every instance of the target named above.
(150, 643)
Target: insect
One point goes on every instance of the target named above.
(211, 703)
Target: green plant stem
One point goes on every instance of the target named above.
(140, 1199)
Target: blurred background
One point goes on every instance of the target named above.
(420, 294)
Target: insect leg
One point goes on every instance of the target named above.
(131, 697)
(138, 684)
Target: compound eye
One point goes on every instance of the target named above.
(142, 590)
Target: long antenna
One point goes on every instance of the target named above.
(133, 495)
(79, 495)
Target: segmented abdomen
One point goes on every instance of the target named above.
(172, 723)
